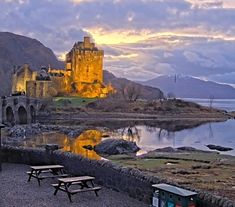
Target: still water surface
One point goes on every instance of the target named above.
(147, 138)
(225, 104)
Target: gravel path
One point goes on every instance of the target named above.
(15, 191)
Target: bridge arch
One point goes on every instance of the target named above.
(18, 110)
(22, 115)
(10, 118)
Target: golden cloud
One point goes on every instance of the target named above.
(121, 57)
(117, 37)
(62, 56)
(114, 37)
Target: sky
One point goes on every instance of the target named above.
(142, 39)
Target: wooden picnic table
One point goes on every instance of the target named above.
(85, 184)
(46, 171)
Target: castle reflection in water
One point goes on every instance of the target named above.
(74, 145)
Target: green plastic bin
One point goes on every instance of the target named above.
(171, 196)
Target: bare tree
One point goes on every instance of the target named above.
(122, 90)
(132, 92)
(211, 99)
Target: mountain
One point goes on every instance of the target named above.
(146, 92)
(15, 50)
(189, 87)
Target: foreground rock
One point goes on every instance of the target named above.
(175, 153)
(176, 150)
(116, 146)
(219, 148)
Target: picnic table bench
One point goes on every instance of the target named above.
(64, 184)
(46, 171)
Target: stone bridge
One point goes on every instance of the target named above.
(18, 110)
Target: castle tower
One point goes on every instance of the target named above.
(85, 62)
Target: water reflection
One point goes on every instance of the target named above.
(87, 138)
(148, 137)
(136, 133)
(74, 145)
(131, 133)
(143, 134)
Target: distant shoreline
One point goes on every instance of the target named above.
(138, 116)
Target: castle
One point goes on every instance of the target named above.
(82, 76)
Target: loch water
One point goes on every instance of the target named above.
(224, 104)
(147, 135)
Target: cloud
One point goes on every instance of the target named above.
(82, 1)
(141, 38)
(212, 4)
(199, 59)
(16, 1)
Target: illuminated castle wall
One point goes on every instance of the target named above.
(85, 62)
(83, 75)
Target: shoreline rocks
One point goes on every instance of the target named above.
(22, 131)
(116, 146)
(219, 148)
(177, 150)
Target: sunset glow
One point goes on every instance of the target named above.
(102, 36)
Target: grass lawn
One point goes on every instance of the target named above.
(188, 169)
(74, 101)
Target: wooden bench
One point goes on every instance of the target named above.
(82, 181)
(46, 171)
(85, 190)
(74, 183)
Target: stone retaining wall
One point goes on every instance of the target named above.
(131, 181)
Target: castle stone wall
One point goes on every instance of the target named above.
(58, 85)
(39, 89)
